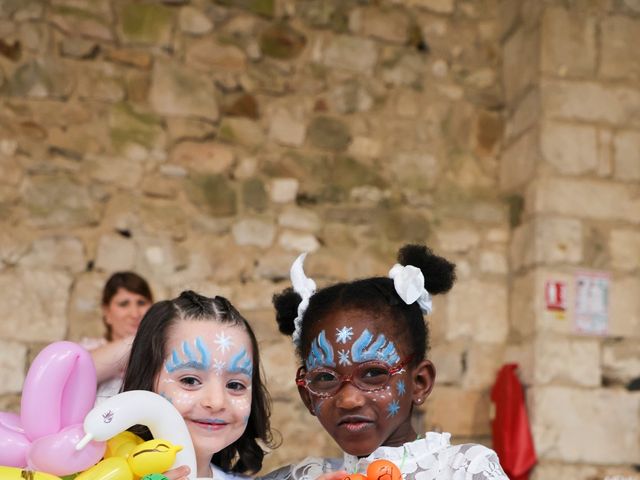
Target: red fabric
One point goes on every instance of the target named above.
(512, 439)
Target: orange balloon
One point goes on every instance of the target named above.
(355, 476)
(383, 470)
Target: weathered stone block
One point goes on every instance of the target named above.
(493, 261)
(627, 156)
(297, 241)
(85, 22)
(193, 21)
(329, 133)
(213, 194)
(282, 41)
(568, 42)
(457, 240)
(203, 158)
(56, 252)
(128, 126)
(519, 74)
(617, 33)
(13, 361)
(624, 248)
(617, 105)
(254, 231)
(45, 293)
(299, 219)
(478, 310)
(448, 359)
(177, 91)
(115, 253)
(547, 240)
(482, 363)
(389, 24)
(287, 126)
(560, 432)
(208, 55)
(457, 411)
(146, 23)
(567, 361)
(56, 200)
(349, 53)
(243, 131)
(438, 6)
(518, 162)
(621, 361)
(254, 194)
(570, 149)
(624, 310)
(284, 190)
(42, 78)
(568, 197)
(525, 115)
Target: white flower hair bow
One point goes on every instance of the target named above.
(303, 286)
(409, 284)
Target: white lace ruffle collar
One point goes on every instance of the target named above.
(431, 443)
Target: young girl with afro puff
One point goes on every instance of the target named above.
(362, 347)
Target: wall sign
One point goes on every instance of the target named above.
(592, 302)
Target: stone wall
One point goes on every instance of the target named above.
(206, 143)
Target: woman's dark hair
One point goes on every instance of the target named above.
(376, 295)
(148, 354)
(129, 281)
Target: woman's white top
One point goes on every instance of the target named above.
(429, 458)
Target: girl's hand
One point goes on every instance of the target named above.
(339, 475)
(179, 473)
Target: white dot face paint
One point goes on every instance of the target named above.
(207, 376)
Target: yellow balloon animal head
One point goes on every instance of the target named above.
(154, 456)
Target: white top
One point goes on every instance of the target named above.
(218, 474)
(429, 458)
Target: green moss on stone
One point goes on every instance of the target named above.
(254, 195)
(146, 22)
(212, 194)
(329, 133)
(261, 7)
(128, 126)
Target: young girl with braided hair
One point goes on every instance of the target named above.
(362, 347)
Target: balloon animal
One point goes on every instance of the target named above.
(146, 458)
(58, 391)
(140, 407)
(378, 470)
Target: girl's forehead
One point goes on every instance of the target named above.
(346, 326)
(213, 333)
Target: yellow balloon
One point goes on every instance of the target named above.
(12, 473)
(154, 456)
(122, 444)
(112, 468)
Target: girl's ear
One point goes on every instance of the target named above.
(424, 377)
(306, 399)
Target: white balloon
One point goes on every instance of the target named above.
(140, 407)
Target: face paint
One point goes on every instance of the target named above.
(207, 376)
(363, 349)
(321, 354)
(361, 421)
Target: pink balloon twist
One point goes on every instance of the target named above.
(58, 392)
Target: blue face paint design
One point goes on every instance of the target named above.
(241, 363)
(189, 359)
(364, 350)
(344, 334)
(400, 387)
(393, 408)
(321, 354)
(166, 397)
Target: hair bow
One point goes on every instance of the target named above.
(303, 286)
(409, 284)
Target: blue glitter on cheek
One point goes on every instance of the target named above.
(401, 387)
(393, 408)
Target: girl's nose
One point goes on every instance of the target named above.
(212, 397)
(349, 397)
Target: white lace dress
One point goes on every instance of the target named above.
(429, 458)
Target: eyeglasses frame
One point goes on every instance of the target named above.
(301, 378)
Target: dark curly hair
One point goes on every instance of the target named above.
(376, 295)
(148, 353)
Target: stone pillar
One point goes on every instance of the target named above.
(571, 164)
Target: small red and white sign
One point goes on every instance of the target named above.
(555, 296)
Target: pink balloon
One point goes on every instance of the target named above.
(56, 454)
(14, 445)
(59, 390)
